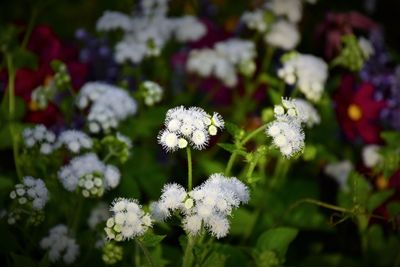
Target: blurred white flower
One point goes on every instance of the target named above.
(152, 92)
(74, 141)
(291, 9)
(340, 171)
(283, 34)
(371, 156)
(366, 47)
(31, 192)
(59, 245)
(39, 137)
(188, 29)
(299, 109)
(100, 213)
(255, 20)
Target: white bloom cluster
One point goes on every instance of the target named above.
(146, 33)
(89, 174)
(40, 137)
(128, 220)
(99, 214)
(283, 34)
(340, 172)
(59, 244)
(31, 192)
(370, 155)
(208, 205)
(110, 105)
(74, 141)
(152, 92)
(308, 72)
(189, 126)
(366, 47)
(291, 9)
(224, 60)
(298, 109)
(255, 20)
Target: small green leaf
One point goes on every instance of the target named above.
(277, 240)
(232, 128)
(151, 240)
(377, 199)
(393, 208)
(233, 149)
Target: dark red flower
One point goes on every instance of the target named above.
(335, 25)
(357, 110)
(47, 46)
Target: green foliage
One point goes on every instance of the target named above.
(351, 56)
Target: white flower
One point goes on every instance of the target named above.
(283, 34)
(152, 93)
(188, 28)
(236, 50)
(100, 213)
(112, 20)
(189, 126)
(371, 156)
(128, 220)
(366, 47)
(74, 141)
(60, 245)
(89, 174)
(111, 105)
(287, 135)
(298, 109)
(32, 191)
(292, 9)
(309, 72)
(255, 20)
(340, 172)
(209, 204)
(39, 137)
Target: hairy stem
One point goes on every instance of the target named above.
(145, 252)
(188, 256)
(190, 175)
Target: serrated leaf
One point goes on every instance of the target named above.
(377, 199)
(151, 240)
(277, 240)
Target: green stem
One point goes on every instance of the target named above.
(146, 253)
(29, 29)
(234, 155)
(76, 214)
(11, 110)
(188, 256)
(189, 160)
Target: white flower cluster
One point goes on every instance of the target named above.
(340, 172)
(224, 60)
(298, 109)
(308, 72)
(59, 244)
(74, 141)
(152, 92)
(31, 192)
(128, 220)
(40, 137)
(208, 205)
(189, 126)
(146, 33)
(110, 105)
(88, 173)
(366, 47)
(370, 155)
(283, 34)
(255, 20)
(291, 9)
(99, 214)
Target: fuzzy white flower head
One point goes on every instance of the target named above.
(287, 135)
(297, 109)
(340, 171)
(236, 50)
(255, 20)
(74, 141)
(371, 156)
(208, 205)
(32, 192)
(128, 220)
(39, 137)
(152, 93)
(292, 9)
(100, 213)
(283, 34)
(309, 72)
(59, 245)
(188, 28)
(184, 126)
(89, 174)
(112, 20)
(111, 105)
(366, 47)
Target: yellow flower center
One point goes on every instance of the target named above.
(381, 182)
(33, 106)
(354, 112)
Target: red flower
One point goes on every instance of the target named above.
(48, 47)
(335, 25)
(358, 111)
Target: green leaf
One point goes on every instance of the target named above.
(232, 148)
(377, 199)
(22, 261)
(151, 240)
(277, 240)
(232, 128)
(393, 208)
(275, 96)
(6, 183)
(25, 59)
(242, 221)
